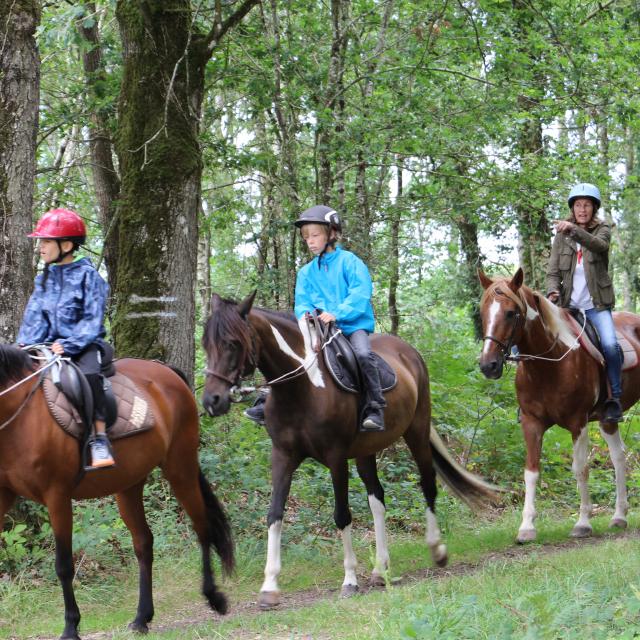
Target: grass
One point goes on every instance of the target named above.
(526, 593)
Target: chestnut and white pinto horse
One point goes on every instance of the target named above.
(308, 416)
(557, 382)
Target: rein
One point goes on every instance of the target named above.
(24, 403)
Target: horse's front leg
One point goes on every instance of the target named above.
(60, 516)
(532, 430)
(368, 472)
(282, 468)
(342, 517)
(580, 467)
(611, 434)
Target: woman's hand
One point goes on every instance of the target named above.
(553, 296)
(564, 226)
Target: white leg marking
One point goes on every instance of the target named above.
(272, 568)
(382, 550)
(350, 562)
(618, 458)
(434, 541)
(529, 509)
(581, 470)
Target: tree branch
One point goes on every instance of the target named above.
(220, 28)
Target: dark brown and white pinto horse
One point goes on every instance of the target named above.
(307, 416)
(557, 382)
(41, 462)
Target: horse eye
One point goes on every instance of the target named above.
(510, 314)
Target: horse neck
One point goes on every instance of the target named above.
(282, 348)
(11, 402)
(538, 336)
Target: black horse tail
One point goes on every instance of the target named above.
(218, 524)
(476, 493)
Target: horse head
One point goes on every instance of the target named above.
(228, 344)
(503, 313)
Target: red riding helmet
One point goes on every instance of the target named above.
(60, 224)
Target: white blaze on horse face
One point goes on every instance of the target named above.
(494, 309)
(310, 358)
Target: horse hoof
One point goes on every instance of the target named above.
(377, 580)
(526, 535)
(138, 627)
(268, 600)
(439, 555)
(349, 590)
(581, 532)
(618, 523)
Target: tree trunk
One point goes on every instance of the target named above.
(394, 253)
(19, 102)
(160, 163)
(105, 178)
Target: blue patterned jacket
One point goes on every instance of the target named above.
(68, 308)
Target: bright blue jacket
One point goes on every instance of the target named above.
(69, 308)
(341, 285)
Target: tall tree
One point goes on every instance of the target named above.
(165, 54)
(19, 96)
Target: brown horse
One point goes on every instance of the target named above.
(556, 383)
(307, 416)
(39, 461)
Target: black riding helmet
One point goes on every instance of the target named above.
(320, 214)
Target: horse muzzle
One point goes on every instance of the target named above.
(216, 404)
(491, 367)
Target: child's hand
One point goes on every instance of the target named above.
(57, 348)
(327, 317)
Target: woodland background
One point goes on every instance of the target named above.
(190, 134)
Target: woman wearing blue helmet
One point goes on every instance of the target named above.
(578, 276)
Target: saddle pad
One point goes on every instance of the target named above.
(134, 412)
(629, 353)
(341, 364)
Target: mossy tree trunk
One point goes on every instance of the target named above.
(19, 97)
(160, 164)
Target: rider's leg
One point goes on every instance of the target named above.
(373, 418)
(603, 321)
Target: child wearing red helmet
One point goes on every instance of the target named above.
(67, 310)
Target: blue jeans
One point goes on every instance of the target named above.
(603, 322)
(360, 342)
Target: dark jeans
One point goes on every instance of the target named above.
(360, 342)
(89, 362)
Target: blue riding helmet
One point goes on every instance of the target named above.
(585, 190)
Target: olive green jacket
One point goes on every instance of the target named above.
(595, 252)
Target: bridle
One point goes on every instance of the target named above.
(518, 322)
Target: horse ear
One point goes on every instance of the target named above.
(485, 281)
(517, 280)
(216, 301)
(245, 306)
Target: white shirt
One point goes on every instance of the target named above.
(580, 296)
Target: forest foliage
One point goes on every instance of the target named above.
(447, 134)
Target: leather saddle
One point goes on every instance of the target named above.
(70, 398)
(590, 340)
(342, 363)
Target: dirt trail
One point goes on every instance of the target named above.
(200, 613)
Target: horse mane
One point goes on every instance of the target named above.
(226, 325)
(14, 363)
(281, 315)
